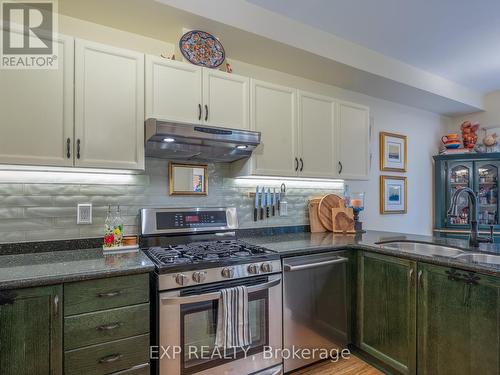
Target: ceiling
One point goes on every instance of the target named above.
(456, 39)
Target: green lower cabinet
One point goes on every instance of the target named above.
(31, 331)
(386, 318)
(458, 322)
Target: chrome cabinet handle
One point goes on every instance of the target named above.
(290, 268)
(110, 358)
(301, 164)
(411, 275)
(206, 112)
(110, 294)
(109, 327)
(420, 282)
(78, 148)
(56, 305)
(296, 164)
(214, 295)
(68, 148)
(340, 167)
(199, 111)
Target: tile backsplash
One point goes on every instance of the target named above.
(46, 209)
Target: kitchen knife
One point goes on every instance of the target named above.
(256, 207)
(268, 202)
(274, 202)
(262, 202)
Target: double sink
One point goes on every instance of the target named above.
(428, 249)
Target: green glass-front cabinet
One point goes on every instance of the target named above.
(480, 172)
(31, 331)
(458, 322)
(386, 310)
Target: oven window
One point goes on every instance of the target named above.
(199, 328)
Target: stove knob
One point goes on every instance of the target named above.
(199, 277)
(253, 268)
(227, 272)
(266, 267)
(181, 279)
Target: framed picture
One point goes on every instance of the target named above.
(393, 195)
(188, 179)
(393, 152)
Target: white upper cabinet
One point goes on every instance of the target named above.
(109, 107)
(316, 135)
(273, 114)
(173, 90)
(225, 99)
(353, 141)
(36, 113)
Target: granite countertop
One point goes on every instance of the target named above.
(306, 243)
(45, 268)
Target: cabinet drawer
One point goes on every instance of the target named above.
(102, 326)
(102, 294)
(106, 358)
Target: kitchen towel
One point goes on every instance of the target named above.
(233, 328)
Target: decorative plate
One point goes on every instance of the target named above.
(201, 48)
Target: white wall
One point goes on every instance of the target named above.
(490, 118)
(423, 129)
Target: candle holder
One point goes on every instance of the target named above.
(356, 201)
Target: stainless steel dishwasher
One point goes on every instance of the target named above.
(314, 305)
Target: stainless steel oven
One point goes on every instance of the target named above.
(188, 320)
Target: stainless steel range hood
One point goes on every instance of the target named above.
(170, 140)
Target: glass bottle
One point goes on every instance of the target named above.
(118, 227)
(109, 238)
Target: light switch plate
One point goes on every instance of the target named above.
(84, 213)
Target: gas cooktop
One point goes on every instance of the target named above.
(207, 254)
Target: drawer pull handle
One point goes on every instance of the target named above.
(110, 294)
(110, 358)
(109, 327)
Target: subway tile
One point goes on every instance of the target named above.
(30, 212)
(51, 189)
(25, 201)
(7, 225)
(91, 190)
(13, 236)
(52, 234)
(11, 189)
(11, 213)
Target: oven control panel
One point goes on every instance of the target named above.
(217, 274)
(179, 220)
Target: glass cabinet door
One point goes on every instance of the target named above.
(487, 188)
(459, 175)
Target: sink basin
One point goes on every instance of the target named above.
(423, 248)
(481, 258)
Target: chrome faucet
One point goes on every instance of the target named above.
(474, 239)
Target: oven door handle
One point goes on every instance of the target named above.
(290, 268)
(214, 295)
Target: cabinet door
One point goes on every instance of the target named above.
(486, 184)
(386, 309)
(458, 322)
(353, 141)
(459, 174)
(273, 114)
(109, 107)
(31, 331)
(173, 90)
(316, 135)
(36, 112)
(225, 99)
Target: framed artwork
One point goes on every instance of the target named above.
(188, 179)
(393, 152)
(393, 195)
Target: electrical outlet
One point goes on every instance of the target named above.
(84, 213)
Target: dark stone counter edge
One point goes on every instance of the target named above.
(37, 281)
(445, 262)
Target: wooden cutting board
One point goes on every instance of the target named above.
(316, 226)
(326, 204)
(343, 220)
